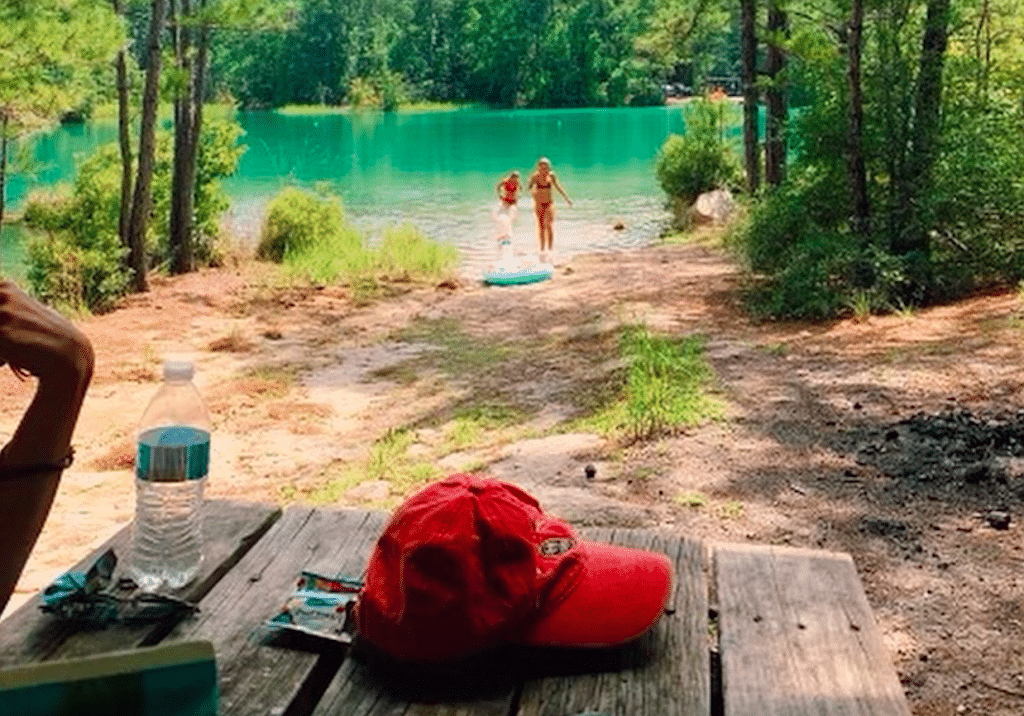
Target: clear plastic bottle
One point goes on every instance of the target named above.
(171, 466)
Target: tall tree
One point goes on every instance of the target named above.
(188, 106)
(775, 123)
(860, 208)
(751, 96)
(123, 134)
(912, 234)
(142, 198)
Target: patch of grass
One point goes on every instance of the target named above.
(861, 305)
(211, 110)
(692, 498)
(413, 476)
(307, 232)
(732, 510)
(334, 488)
(388, 453)
(664, 388)
(904, 310)
(776, 349)
(484, 423)
(268, 381)
(460, 434)
(305, 110)
(401, 373)
(458, 352)
(388, 460)
(406, 254)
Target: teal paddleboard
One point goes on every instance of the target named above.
(528, 274)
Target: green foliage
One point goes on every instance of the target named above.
(938, 229)
(78, 261)
(405, 253)
(508, 53)
(665, 383)
(701, 159)
(663, 387)
(50, 51)
(296, 220)
(307, 231)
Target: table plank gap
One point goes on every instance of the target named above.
(259, 677)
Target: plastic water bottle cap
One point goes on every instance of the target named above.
(178, 370)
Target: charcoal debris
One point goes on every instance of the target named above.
(954, 445)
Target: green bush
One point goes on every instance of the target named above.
(78, 261)
(406, 253)
(297, 220)
(307, 230)
(699, 160)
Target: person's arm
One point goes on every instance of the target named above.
(497, 187)
(554, 180)
(37, 340)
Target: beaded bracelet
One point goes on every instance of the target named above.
(11, 473)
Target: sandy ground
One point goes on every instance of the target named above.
(305, 387)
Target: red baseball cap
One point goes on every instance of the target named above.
(470, 563)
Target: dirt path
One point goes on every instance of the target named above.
(316, 399)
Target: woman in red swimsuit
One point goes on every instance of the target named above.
(540, 184)
(508, 189)
(505, 213)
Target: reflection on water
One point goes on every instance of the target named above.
(437, 170)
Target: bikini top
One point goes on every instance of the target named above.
(509, 188)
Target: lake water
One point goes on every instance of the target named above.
(436, 170)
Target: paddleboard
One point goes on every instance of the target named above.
(500, 275)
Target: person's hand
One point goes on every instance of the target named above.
(38, 340)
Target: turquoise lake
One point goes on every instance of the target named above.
(435, 170)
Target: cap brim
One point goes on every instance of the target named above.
(620, 595)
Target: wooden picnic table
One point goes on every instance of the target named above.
(789, 632)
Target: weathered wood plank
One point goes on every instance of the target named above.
(259, 678)
(666, 672)
(230, 530)
(797, 636)
(362, 689)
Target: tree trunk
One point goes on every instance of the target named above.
(124, 138)
(192, 156)
(926, 127)
(751, 141)
(143, 198)
(181, 189)
(860, 221)
(3, 163)
(123, 130)
(775, 124)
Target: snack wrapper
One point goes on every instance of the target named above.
(319, 607)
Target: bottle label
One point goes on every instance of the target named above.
(173, 454)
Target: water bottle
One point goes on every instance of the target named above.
(171, 466)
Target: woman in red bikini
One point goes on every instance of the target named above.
(505, 213)
(508, 190)
(540, 184)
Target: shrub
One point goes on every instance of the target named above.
(307, 230)
(297, 220)
(699, 160)
(407, 253)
